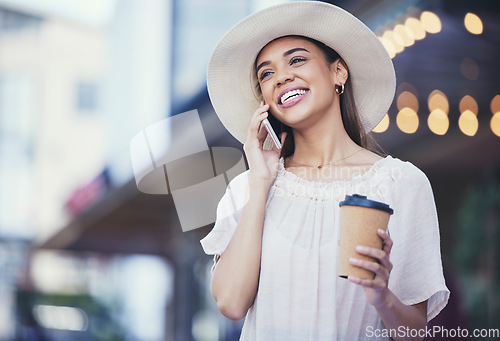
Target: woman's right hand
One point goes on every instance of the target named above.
(263, 163)
(235, 279)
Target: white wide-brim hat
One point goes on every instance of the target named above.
(232, 83)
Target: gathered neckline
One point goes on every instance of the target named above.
(286, 174)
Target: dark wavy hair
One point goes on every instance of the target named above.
(349, 112)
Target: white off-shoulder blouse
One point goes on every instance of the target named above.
(300, 296)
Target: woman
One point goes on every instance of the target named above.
(326, 81)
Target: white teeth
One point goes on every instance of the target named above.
(291, 94)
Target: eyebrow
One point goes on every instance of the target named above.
(286, 53)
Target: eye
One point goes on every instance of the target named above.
(264, 74)
(296, 60)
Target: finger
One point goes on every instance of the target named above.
(371, 252)
(260, 110)
(381, 256)
(256, 119)
(377, 268)
(387, 241)
(368, 283)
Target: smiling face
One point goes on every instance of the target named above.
(296, 80)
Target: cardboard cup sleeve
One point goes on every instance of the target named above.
(360, 218)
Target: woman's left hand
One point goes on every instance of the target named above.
(376, 289)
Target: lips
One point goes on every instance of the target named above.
(291, 95)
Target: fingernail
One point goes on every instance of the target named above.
(383, 231)
(353, 279)
(353, 260)
(360, 248)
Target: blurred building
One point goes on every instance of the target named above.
(49, 75)
(77, 237)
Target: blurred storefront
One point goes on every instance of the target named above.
(79, 239)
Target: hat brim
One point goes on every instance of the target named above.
(230, 77)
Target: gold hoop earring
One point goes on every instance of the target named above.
(341, 91)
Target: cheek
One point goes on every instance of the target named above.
(267, 93)
(326, 86)
(322, 75)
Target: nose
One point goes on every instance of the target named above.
(284, 76)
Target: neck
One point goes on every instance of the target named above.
(323, 143)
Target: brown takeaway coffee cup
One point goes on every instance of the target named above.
(360, 218)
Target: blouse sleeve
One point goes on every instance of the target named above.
(417, 273)
(227, 217)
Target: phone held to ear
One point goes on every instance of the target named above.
(271, 133)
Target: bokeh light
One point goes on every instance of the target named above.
(495, 104)
(469, 69)
(389, 46)
(405, 34)
(405, 86)
(406, 99)
(413, 11)
(438, 122)
(383, 125)
(438, 100)
(473, 23)
(468, 103)
(416, 28)
(397, 38)
(407, 120)
(468, 123)
(430, 22)
(495, 124)
(389, 35)
(495, 120)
